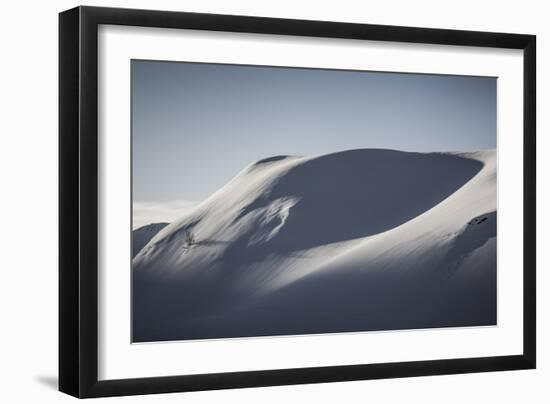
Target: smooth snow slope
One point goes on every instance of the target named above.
(351, 241)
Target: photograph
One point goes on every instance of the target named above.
(251, 200)
(271, 201)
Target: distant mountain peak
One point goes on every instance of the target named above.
(142, 235)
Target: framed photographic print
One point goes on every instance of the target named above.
(250, 201)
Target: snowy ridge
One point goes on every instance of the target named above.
(357, 240)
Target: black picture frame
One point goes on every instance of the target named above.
(78, 201)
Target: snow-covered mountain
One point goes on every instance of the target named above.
(142, 235)
(357, 240)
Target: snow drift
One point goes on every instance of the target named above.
(357, 240)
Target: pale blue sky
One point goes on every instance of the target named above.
(194, 125)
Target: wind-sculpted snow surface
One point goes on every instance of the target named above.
(358, 240)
